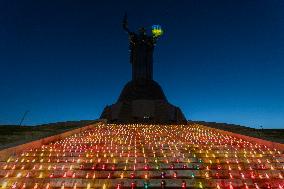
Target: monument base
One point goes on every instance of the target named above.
(143, 101)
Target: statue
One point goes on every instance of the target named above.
(141, 51)
(142, 100)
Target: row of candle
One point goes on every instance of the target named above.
(145, 174)
(136, 155)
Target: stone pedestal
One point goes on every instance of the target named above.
(143, 101)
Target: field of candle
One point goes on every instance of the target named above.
(145, 156)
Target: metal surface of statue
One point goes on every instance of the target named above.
(142, 99)
(141, 48)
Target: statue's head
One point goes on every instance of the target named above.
(142, 31)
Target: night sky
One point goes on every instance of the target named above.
(219, 61)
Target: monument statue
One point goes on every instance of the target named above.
(142, 99)
(141, 48)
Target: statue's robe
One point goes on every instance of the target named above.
(141, 56)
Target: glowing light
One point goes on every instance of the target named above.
(154, 152)
(89, 186)
(4, 184)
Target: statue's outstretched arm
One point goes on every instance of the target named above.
(125, 24)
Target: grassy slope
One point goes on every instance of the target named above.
(275, 135)
(11, 135)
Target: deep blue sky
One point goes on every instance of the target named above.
(219, 61)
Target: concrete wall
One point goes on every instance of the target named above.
(6, 153)
(141, 108)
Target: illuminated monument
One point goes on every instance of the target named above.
(143, 156)
(142, 99)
